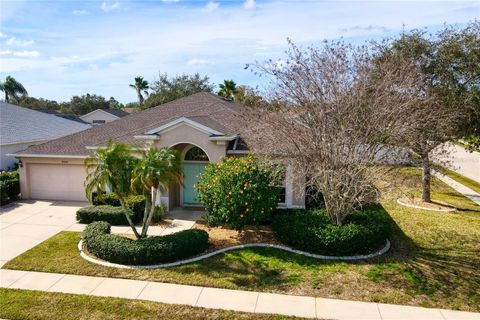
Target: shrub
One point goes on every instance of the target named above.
(152, 250)
(9, 186)
(237, 191)
(313, 231)
(110, 214)
(136, 203)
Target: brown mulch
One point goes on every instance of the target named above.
(222, 236)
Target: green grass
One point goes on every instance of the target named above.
(24, 304)
(434, 260)
(472, 184)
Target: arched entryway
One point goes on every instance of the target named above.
(194, 162)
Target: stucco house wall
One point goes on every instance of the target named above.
(98, 115)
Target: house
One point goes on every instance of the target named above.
(22, 127)
(101, 116)
(202, 127)
(68, 116)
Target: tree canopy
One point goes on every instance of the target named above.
(166, 89)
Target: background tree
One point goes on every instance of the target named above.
(167, 89)
(12, 88)
(114, 104)
(111, 166)
(449, 65)
(37, 103)
(140, 85)
(228, 89)
(156, 169)
(84, 104)
(248, 96)
(329, 113)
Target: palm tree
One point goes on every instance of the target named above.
(140, 85)
(111, 166)
(228, 89)
(156, 170)
(12, 88)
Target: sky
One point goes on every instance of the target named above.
(58, 49)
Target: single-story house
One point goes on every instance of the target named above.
(101, 116)
(22, 127)
(203, 127)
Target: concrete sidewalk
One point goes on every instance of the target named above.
(467, 192)
(214, 298)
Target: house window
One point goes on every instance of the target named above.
(98, 121)
(196, 154)
(281, 185)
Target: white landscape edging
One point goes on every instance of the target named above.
(242, 246)
(400, 202)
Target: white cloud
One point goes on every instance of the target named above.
(110, 7)
(25, 53)
(211, 6)
(79, 12)
(197, 62)
(249, 4)
(2, 35)
(5, 52)
(19, 42)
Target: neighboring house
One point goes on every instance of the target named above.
(101, 116)
(202, 127)
(21, 127)
(68, 116)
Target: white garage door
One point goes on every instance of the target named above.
(57, 182)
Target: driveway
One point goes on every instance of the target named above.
(460, 160)
(25, 224)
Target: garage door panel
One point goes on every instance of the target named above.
(57, 182)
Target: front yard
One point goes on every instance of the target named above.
(433, 262)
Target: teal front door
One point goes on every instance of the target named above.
(191, 172)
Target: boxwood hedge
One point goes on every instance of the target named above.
(312, 231)
(153, 250)
(107, 208)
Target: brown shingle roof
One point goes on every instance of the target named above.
(205, 108)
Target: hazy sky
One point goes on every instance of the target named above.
(62, 48)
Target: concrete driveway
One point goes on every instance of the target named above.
(25, 224)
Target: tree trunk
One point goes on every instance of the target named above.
(122, 203)
(146, 223)
(140, 97)
(6, 97)
(426, 178)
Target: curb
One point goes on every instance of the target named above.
(400, 202)
(242, 246)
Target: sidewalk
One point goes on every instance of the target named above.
(247, 301)
(467, 192)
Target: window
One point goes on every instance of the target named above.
(196, 154)
(98, 121)
(281, 185)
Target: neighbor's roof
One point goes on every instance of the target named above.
(68, 116)
(19, 125)
(205, 108)
(115, 112)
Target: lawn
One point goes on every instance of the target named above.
(24, 304)
(472, 184)
(434, 260)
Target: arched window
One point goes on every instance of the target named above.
(196, 154)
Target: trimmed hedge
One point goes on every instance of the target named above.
(312, 231)
(9, 186)
(153, 250)
(110, 214)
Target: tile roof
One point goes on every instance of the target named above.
(18, 124)
(205, 108)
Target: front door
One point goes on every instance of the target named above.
(192, 172)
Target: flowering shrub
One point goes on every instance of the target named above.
(238, 191)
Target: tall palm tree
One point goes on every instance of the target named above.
(140, 85)
(228, 89)
(156, 170)
(12, 88)
(111, 166)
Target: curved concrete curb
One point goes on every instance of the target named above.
(243, 246)
(400, 202)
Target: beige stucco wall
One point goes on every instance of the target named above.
(99, 115)
(184, 133)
